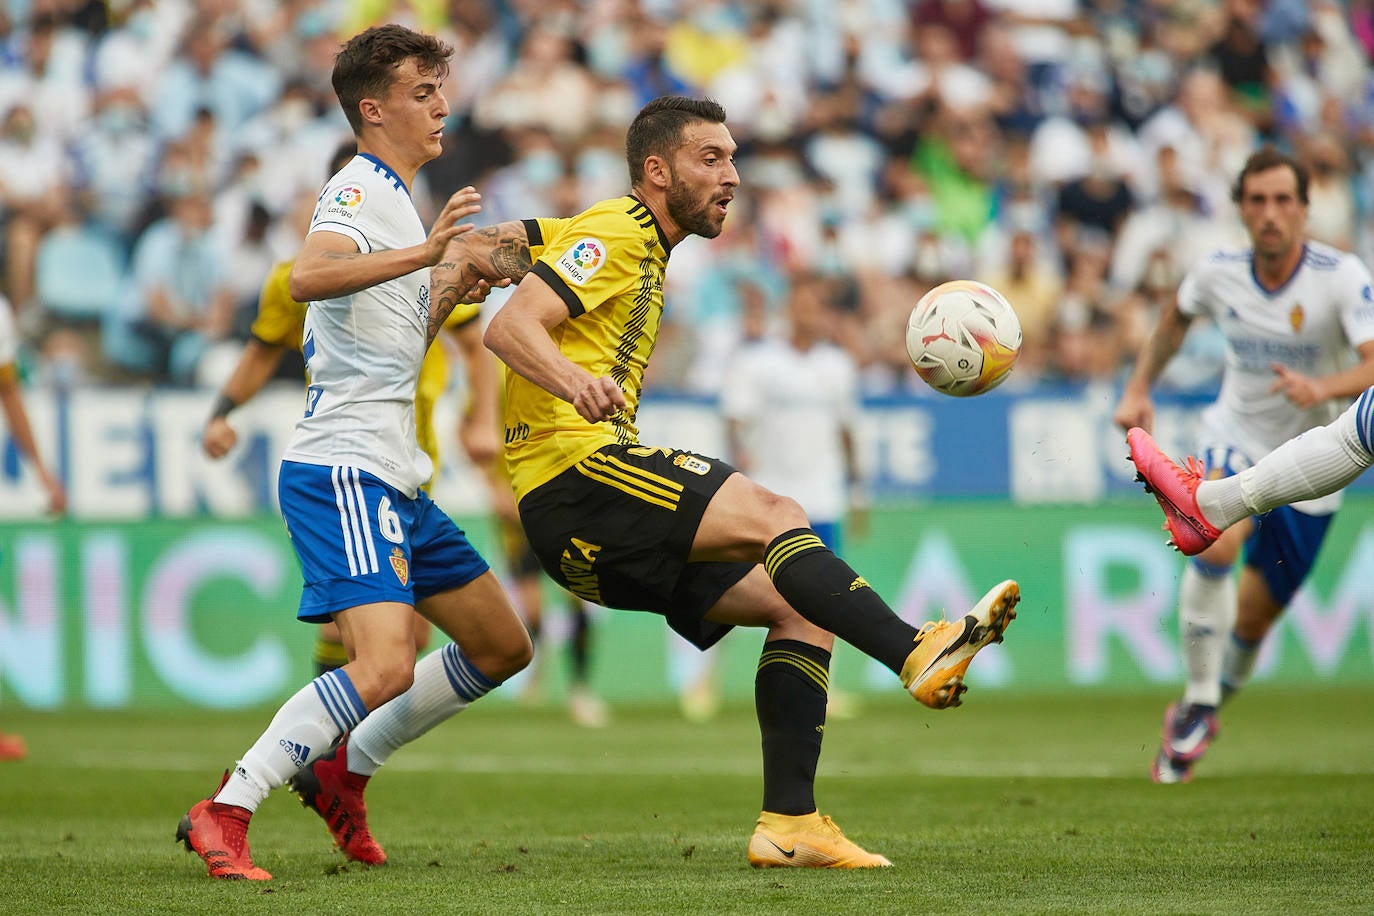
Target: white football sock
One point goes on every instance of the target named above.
(445, 683)
(1206, 610)
(1320, 461)
(1238, 663)
(306, 726)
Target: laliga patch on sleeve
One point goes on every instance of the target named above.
(346, 201)
(580, 262)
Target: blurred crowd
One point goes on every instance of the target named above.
(157, 156)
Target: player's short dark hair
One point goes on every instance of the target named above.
(657, 129)
(365, 66)
(1262, 160)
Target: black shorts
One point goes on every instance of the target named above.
(617, 527)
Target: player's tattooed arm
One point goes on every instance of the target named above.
(473, 264)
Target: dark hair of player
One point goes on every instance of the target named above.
(1264, 159)
(657, 129)
(365, 66)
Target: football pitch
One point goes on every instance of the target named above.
(1014, 803)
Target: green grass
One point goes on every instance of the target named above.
(1025, 804)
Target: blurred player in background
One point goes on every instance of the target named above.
(668, 531)
(373, 546)
(1291, 310)
(790, 401)
(12, 747)
(525, 579)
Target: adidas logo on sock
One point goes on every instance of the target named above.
(298, 753)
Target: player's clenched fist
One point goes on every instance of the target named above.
(600, 399)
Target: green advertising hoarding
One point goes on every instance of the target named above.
(201, 612)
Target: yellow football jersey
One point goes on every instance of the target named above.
(280, 322)
(607, 264)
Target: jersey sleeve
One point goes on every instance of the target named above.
(593, 259)
(1357, 302)
(344, 208)
(1194, 293)
(538, 231)
(280, 318)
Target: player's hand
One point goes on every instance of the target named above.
(219, 437)
(449, 225)
(1302, 390)
(57, 496)
(600, 399)
(482, 290)
(1134, 409)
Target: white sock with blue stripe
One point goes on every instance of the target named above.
(306, 726)
(445, 684)
(1320, 461)
(1206, 611)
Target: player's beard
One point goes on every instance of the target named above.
(691, 214)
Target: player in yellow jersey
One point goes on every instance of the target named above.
(668, 531)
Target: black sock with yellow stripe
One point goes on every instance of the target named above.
(789, 697)
(824, 590)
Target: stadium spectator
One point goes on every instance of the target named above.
(33, 196)
(181, 301)
(1098, 201)
(1242, 61)
(210, 75)
(114, 163)
(1031, 279)
(543, 90)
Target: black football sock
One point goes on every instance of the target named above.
(789, 697)
(823, 589)
(579, 647)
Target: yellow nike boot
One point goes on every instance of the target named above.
(934, 671)
(806, 841)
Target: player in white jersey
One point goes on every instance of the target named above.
(790, 402)
(1298, 318)
(372, 544)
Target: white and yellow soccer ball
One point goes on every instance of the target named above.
(963, 337)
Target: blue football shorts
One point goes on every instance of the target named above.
(362, 541)
(1285, 542)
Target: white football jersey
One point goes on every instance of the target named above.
(1311, 324)
(363, 351)
(792, 406)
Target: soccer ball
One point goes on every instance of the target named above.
(963, 338)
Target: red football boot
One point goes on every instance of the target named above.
(1175, 489)
(337, 796)
(219, 835)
